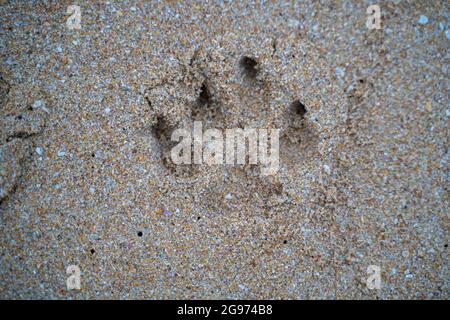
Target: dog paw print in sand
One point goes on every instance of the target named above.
(263, 86)
(20, 121)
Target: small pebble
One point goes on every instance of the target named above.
(242, 287)
(447, 34)
(408, 274)
(423, 19)
(61, 153)
(228, 196)
(37, 104)
(339, 72)
(39, 151)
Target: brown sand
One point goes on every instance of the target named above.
(86, 117)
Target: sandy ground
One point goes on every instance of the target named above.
(85, 178)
